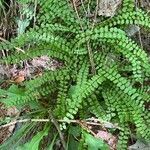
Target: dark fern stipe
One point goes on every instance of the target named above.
(101, 66)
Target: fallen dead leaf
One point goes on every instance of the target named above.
(108, 7)
(108, 137)
(6, 132)
(12, 111)
(140, 145)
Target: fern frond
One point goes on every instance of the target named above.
(123, 137)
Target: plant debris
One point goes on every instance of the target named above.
(108, 8)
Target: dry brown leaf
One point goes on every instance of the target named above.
(140, 145)
(41, 62)
(132, 30)
(12, 111)
(20, 77)
(108, 7)
(29, 69)
(108, 137)
(6, 132)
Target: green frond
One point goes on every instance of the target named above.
(96, 108)
(85, 89)
(61, 97)
(123, 137)
(46, 78)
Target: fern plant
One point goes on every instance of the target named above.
(101, 69)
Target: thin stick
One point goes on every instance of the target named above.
(88, 44)
(88, 121)
(54, 121)
(24, 120)
(95, 15)
(74, 5)
(89, 48)
(35, 6)
(91, 58)
(17, 48)
(89, 12)
(139, 33)
(84, 7)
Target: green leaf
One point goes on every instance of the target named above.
(75, 131)
(72, 90)
(34, 143)
(9, 96)
(12, 91)
(22, 25)
(15, 90)
(94, 143)
(140, 145)
(72, 143)
(52, 143)
(17, 139)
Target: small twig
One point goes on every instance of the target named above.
(93, 69)
(2, 39)
(84, 7)
(17, 48)
(86, 127)
(89, 48)
(140, 39)
(95, 14)
(139, 33)
(88, 44)
(35, 6)
(74, 5)
(106, 124)
(54, 121)
(24, 120)
(88, 121)
(89, 12)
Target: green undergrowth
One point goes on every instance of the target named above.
(104, 74)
